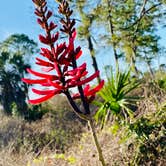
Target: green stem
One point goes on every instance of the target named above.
(99, 150)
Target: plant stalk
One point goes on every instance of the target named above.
(99, 150)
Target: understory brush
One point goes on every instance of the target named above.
(60, 138)
(55, 131)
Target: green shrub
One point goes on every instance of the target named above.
(116, 96)
(146, 136)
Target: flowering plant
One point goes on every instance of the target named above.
(62, 60)
(61, 72)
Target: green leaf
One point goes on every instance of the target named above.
(115, 107)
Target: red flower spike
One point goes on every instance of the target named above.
(100, 86)
(71, 45)
(71, 41)
(45, 9)
(77, 49)
(65, 68)
(46, 84)
(72, 24)
(74, 34)
(84, 73)
(39, 3)
(88, 92)
(60, 59)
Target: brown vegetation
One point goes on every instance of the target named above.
(61, 139)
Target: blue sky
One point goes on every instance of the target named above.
(17, 16)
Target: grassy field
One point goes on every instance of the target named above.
(59, 138)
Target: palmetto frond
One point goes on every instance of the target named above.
(116, 95)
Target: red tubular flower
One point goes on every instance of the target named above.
(94, 90)
(55, 37)
(43, 92)
(40, 100)
(74, 72)
(90, 78)
(56, 85)
(47, 76)
(41, 23)
(38, 13)
(48, 15)
(90, 92)
(47, 53)
(61, 59)
(78, 54)
(52, 26)
(36, 81)
(44, 63)
(48, 69)
(44, 40)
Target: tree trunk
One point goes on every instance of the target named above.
(133, 61)
(112, 33)
(94, 62)
(149, 67)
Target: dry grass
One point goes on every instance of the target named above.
(82, 153)
(8, 158)
(16, 150)
(21, 141)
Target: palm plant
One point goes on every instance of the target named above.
(13, 52)
(116, 96)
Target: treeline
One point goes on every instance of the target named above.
(132, 103)
(127, 27)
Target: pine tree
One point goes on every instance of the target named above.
(13, 52)
(84, 31)
(128, 27)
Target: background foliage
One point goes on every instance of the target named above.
(131, 106)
